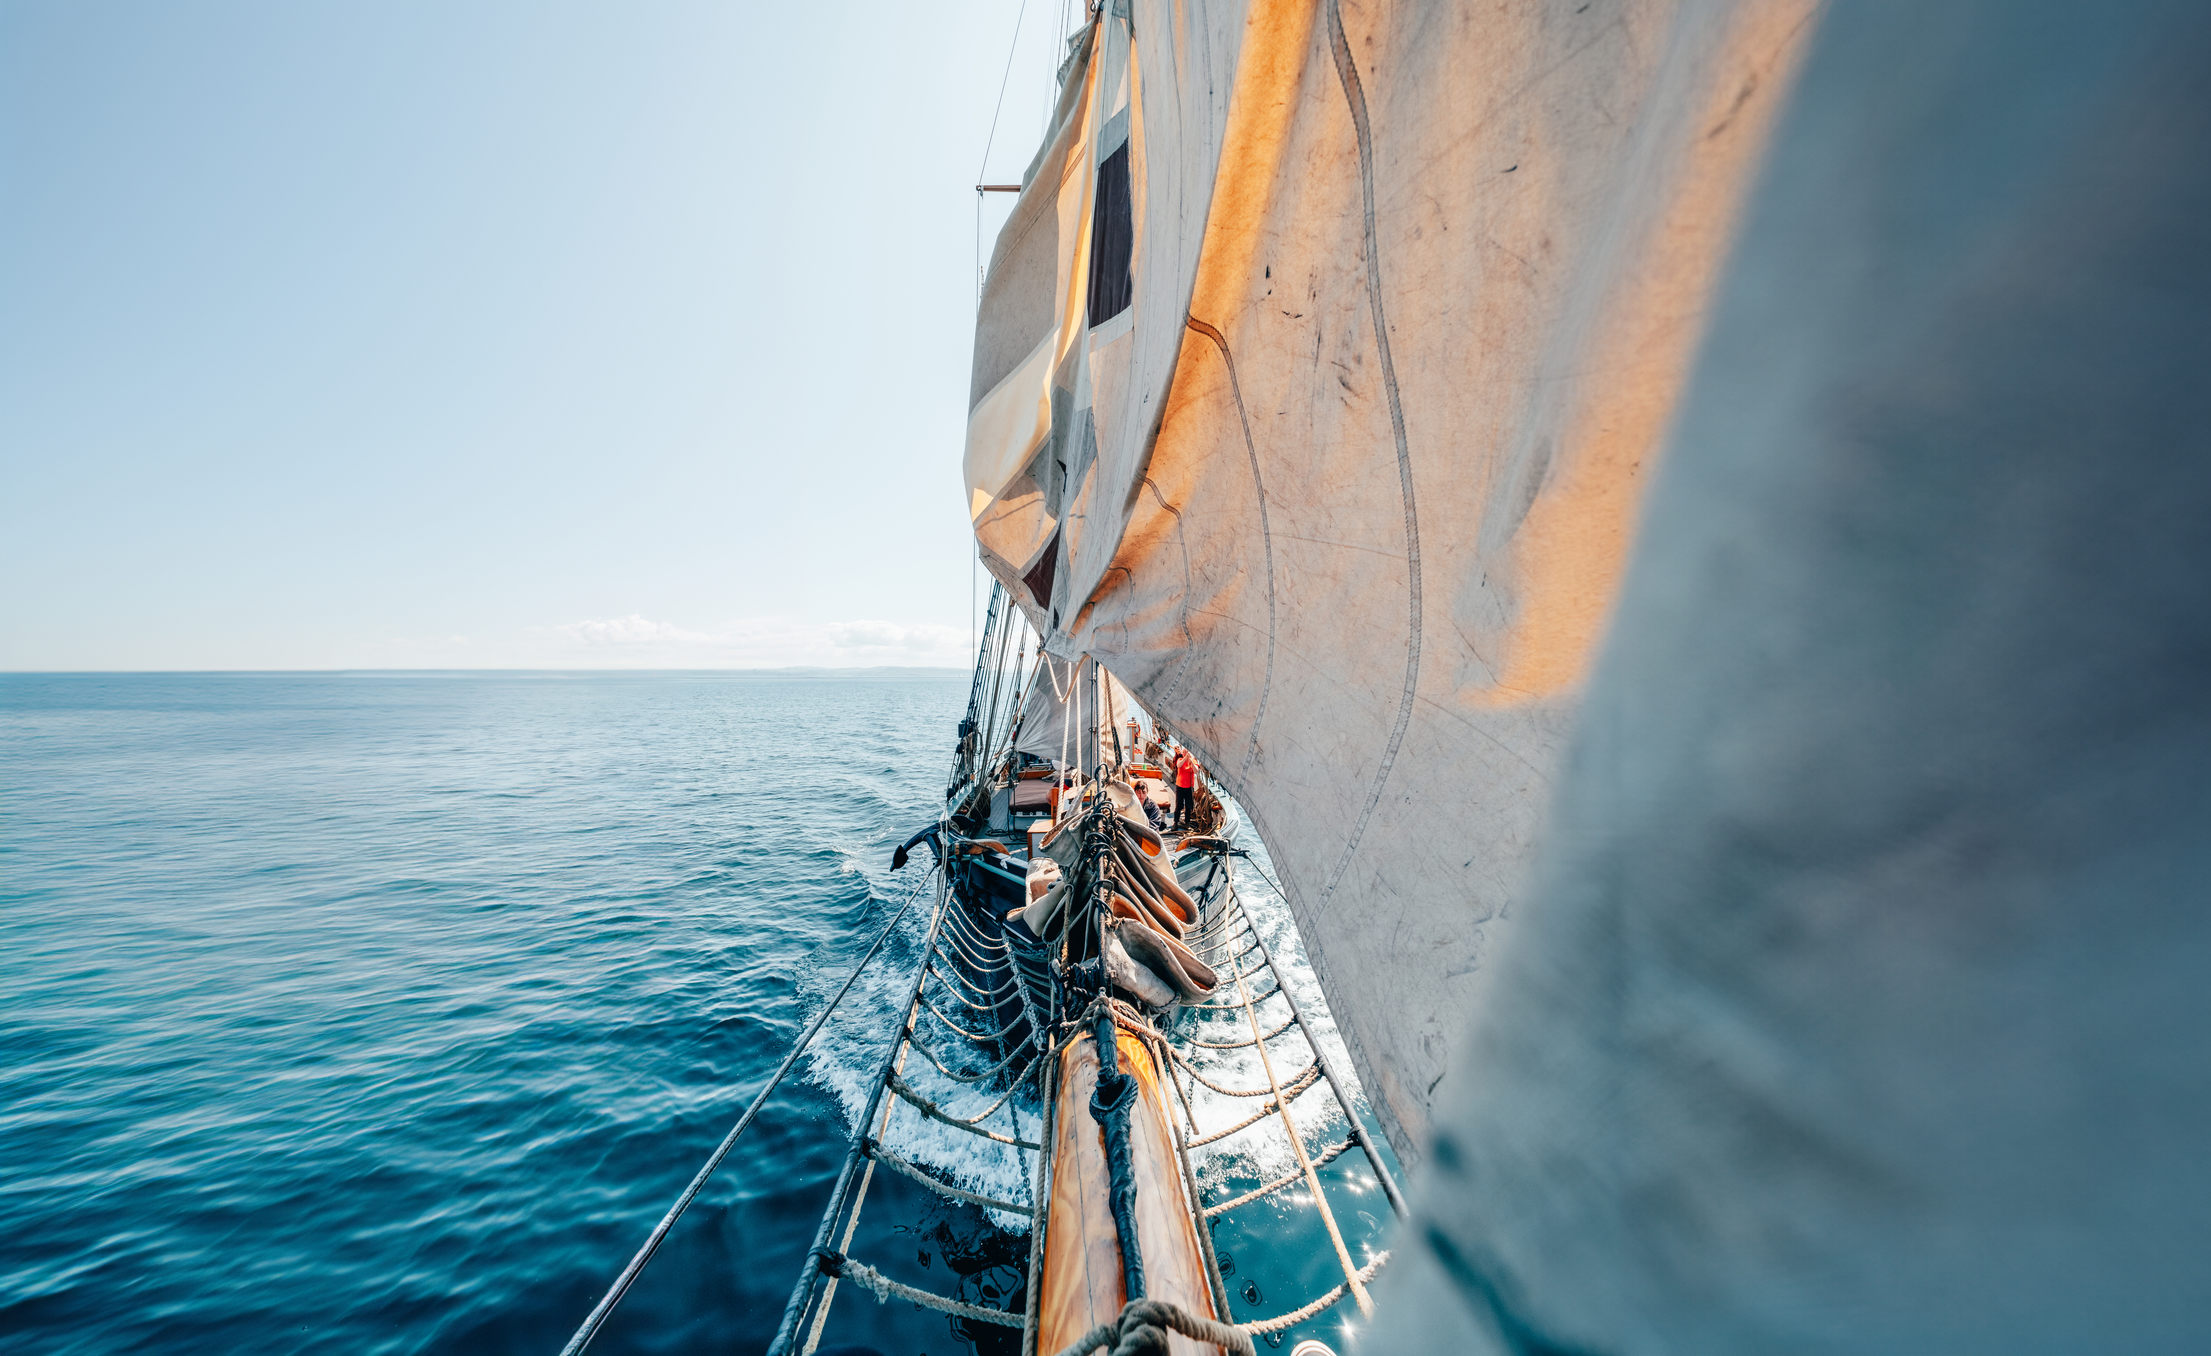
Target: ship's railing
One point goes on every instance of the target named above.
(1233, 944)
(1269, 1024)
(952, 936)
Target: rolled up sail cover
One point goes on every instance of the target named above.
(1320, 368)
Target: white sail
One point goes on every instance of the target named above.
(1858, 1002)
(1343, 491)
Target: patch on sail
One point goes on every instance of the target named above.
(1040, 575)
(1112, 240)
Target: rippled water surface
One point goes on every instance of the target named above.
(385, 1013)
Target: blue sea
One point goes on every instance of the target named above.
(387, 1012)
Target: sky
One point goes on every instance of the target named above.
(496, 334)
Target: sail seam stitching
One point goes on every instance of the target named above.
(1266, 533)
(1348, 73)
(1172, 688)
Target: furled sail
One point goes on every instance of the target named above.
(1320, 369)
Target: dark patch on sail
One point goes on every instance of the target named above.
(1040, 575)
(1112, 240)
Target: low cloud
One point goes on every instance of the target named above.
(637, 641)
(632, 632)
(880, 635)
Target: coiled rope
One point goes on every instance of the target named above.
(1141, 1327)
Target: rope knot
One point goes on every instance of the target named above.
(1143, 1329)
(829, 1260)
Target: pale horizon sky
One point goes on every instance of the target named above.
(494, 335)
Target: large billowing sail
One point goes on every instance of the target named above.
(1320, 369)
(1858, 1003)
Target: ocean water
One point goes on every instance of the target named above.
(387, 1012)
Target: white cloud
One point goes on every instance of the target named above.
(632, 632)
(882, 635)
(637, 641)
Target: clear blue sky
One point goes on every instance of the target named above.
(493, 334)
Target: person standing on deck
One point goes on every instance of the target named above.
(1186, 784)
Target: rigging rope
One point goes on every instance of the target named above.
(1296, 1316)
(921, 1103)
(605, 1307)
(889, 1159)
(1334, 1152)
(976, 1037)
(884, 1288)
(1289, 1094)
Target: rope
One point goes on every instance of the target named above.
(1244, 1044)
(889, 1159)
(1110, 1101)
(984, 964)
(884, 1288)
(605, 1307)
(1289, 1094)
(936, 1113)
(1365, 1274)
(1320, 1055)
(950, 981)
(1310, 1071)
(974, 1036)
(1297, 1146)
(1137, 1329)
(976, 953)
(958, 1077)
(968, 928)
(1334, 1151)
(1254, 1001)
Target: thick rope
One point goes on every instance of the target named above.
(1246, 1043)
(1309, 1071)
(884, 1288)
(1138, 1328)
(1365, 1274)
(1017, 1052)
(976, 1036)
(1255, 1000)
(1297, 1147)
(1110, 1102)
(959, 986)
(1289, 1093)
(893, 1161)
(979, 957)
(971, 937)
(1334, 1151)
(934, 1112)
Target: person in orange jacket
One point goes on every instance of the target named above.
(1186, 788)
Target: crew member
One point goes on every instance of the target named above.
(1186, 788)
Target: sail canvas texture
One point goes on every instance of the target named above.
(1860, 1001)
(1346, 504)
